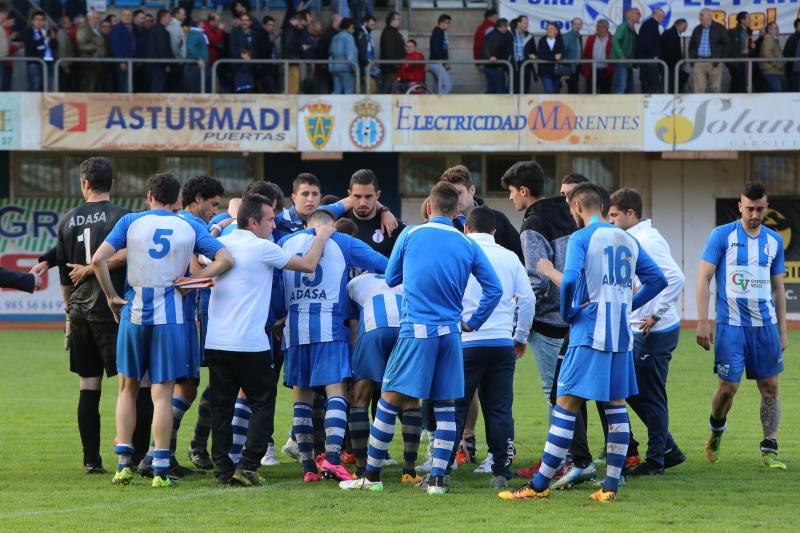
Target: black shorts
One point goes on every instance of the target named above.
(92, 347)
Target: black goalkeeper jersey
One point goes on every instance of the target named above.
(80, 234)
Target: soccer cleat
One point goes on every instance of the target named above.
(674, 458)
(94, 469)
(178, 471)
(409, 479)
(498, 482)
(471, 449)
(311, 477)
(200, 459)
(604, 497)
(123, 477)
(247, 478)
(632, 461)
(563, 470)
(162, 482)
(770, 460)
(361, 483)
(528, 473)
(524, 492)
(319, 459)
(461, 457)
(575, 475)
(290, 449)
(711, 450)
(270, 458)
(646, 468)
(144, 469)
(334, 472)
(437, 485)
(426, 482)
(486, 465)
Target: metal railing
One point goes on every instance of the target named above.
(130, 62)
(593, 62)
(747, 60)
(427, 62)
(286, 64)
(25, 59)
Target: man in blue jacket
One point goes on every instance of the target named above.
(123, 44)
(648, 46)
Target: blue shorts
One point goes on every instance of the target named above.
(594, 375)
(317, 364)
(755, 349)
(194, 354)
(159, 350)
(371, 353)
(431, 369)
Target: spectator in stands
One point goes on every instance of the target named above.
(292, 48)
(241, 41)
(366, 51)
(268, 50)
(158, 46)
(240, 7)
(393, 47)
(573, 48)
(343, 48)
(106, 82)
(91, 44)
(772, 71)
(323, 74)
(524, 46)
(214, 30)
(123, 45)
(67, 76)
(623, 46)
(149, 21)
(498, 45)
(598, 47)
(410, 73)
(487, 26)
(197, 49)
(741, 45)
(648, 46)
(792, 49)
(551, 48)
(178, 45)
(14, 45)
(672, 52)
(41, 42)
(139, 50)
(111, 19)
(5, 42)
(440, 50)
(243, 76)
(709, 40)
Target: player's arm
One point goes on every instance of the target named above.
(210, 247)
(576, 257)
(46, 262)
(308, 262)
(492, 291)
(526, 306)
(101, 272)
(80, 273)
(653, 280)
(365, 258)
(394, 268)
(777, 270)
(705, 337)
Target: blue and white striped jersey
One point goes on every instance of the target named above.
(160, 246)
(317, 303)
(289, 221)
(190, 299)
(744, 267)
(603, 259)
(378, 304)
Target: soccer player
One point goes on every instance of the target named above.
(364, 193)
(237, 345)
(596, 296)
(657, 330)
(316, 339)
(433, 261)
(92, 330)
(746, 259)
(151, 337)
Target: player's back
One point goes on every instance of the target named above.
(378, 304)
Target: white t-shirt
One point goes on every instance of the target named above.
(237, 311)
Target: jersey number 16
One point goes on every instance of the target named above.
(619, 265)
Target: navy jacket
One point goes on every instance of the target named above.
(648, 45)
(439, 48)
(22, 281)
(123, 43)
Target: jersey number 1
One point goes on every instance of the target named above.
(160, 239)
(86, 239)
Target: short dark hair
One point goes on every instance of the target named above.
(684, 21)
(267, 188)
(245, 14)
(161, 13)
(38, 13)
(320, 216)
(413, 42)
(329, 199)
(305, 178)
(206, 186)
(489, 13)
(176, 10)
(364, 176)
(252, 207)
(528, 174)
(587, 194)
(740, 16)
(501, 23)
(444, 198)
(444, 18)
(605, 199)
(754, 191)
(574, 178)
(266, 19)
(482, 220)
(164, 187)
(98, 172)
(628, 198)
(368, 18)
(346, 226)
(345, 23)
(458, 175)
(796, 22)
(390, 17)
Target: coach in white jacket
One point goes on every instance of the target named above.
(490, 353)
(656, 328)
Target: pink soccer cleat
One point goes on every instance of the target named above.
(335, 472)
(311, 477)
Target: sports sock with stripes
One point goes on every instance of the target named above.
(89, 426)
(239, 426)
(124, 452)
(619, 434)
(335, 428)
(380, 438)
(359, 433)
(161, 462)
(445, 415)
(555, 451)
(179, 407)
(411, 420)
(203, 426)
(717, 427)
(303, 431)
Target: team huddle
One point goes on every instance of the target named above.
(367, 317)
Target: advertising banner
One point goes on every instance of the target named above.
(248, 123)
(340, 123)
(10, 121)
(783, 217)
(748, 122)
(562, 12)
(28, 229)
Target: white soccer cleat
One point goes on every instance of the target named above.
(361, 483)
(486, 465)
(290, 449)
(270, 458)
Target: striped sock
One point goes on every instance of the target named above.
(619, 433)
(412, 428)
(380, 437)
(179, 407)
(161, 462)
(303, 430)
(445, 415)
(335, 428)
(559, 439)
(124, 452)
(717, 427)
(202, 428)
(359, 432)
(239, 425)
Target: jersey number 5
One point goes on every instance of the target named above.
(619, 265)
(160, 239)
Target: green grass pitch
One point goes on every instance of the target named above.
(43, 486)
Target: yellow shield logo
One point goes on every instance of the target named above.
(319, 123)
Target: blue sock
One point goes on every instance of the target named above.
(124, 453)
(619, 434)
(359, 432)
(203, 426)
(559, 439)
(239, 425)
(335, 428)
(179, 408)
(412, 428)
(445, 415)
(303, 429)
(161, 462)
(380, 437)
(717, 427)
